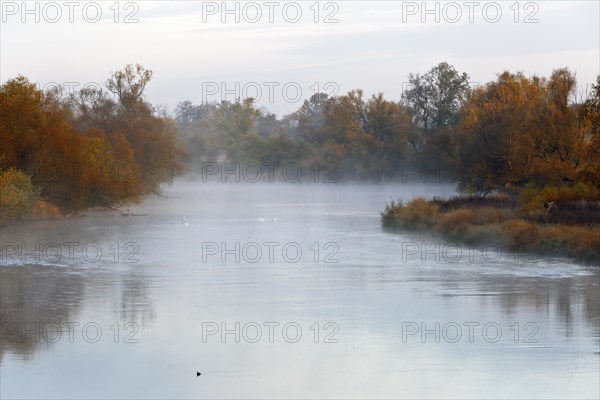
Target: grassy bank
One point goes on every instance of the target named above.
(570, 228)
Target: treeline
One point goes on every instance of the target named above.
(63, 153)
(502, 136)
(103, 147)
(531, 144)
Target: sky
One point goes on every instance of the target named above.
(282, 52)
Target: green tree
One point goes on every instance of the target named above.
(435, 97)
(434, 100)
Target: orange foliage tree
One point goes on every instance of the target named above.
(88, 150)
(519, 130)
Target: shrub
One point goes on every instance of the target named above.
(475, 221)
(449, 221)
(521, 234)
(416, 214)
(582, 191)
(498, 200)
(17, 196)
(534, 198)
(45, 210)
(576, 241)
(531, 199)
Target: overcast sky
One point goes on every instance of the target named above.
(286, 51)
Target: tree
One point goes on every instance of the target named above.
(520, 130)
(129, 84)
(87, 150)
(37, 139)
(310, 118)
(434, 100)
(435, 97)
(366, 138)
(214, 130)
(186, 113)
(92, 107)
(589, 166)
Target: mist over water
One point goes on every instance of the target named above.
(255, 200)
(282, 289)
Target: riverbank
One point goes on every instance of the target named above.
(44, 211)
(552, 229)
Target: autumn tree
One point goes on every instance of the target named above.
(589, 165)
(138, 134)
(37, 139)
(520, 130)
(87, 150)
(129, 85)
(366, 137)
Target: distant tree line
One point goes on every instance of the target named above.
(506, 134)
(104, 147)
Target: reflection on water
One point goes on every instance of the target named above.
(170, 299)
(33, 296)
(38, 301)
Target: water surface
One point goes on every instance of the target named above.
(139, 309)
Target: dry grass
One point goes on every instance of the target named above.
(576, 241)
(472, 221)
(417, 214)
(447, 221)
(520, 234)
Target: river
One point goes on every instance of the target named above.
(285, 290)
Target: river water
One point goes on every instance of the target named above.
(285, 290)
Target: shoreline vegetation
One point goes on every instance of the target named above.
(568, 228)
(527, 158)
(64, 153)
